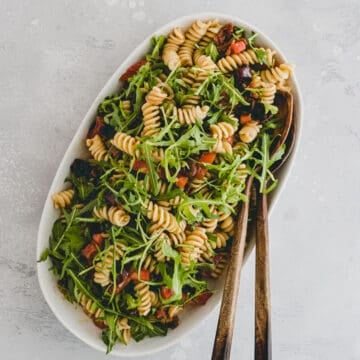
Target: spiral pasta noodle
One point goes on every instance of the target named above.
(155, 301)
(123, 328)
(170, 52)
(97, 148)
(221, 132)
(192, 36)
(161, 217)
(151, 119)
(174, 311)
(155, 96)
(125, 143)
(213, 29)
(192, 247)
(143, 294)
(219, 267)
(205, 63)
(232, 62)
(249, 131)
(277, 74)
(267, 90)
(89, 306)
(62, 198)
(221, 240)
(103, 267)
(126, 105)
(116, 215)
(188, 114)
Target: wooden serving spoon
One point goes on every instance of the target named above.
(225, 326)
(262, 274)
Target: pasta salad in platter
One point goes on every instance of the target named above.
(147, 220)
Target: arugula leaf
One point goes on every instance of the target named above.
(44, 255)
(212, 51)
(261, 54)
(271, 108)
(157, 44)
(154, 177)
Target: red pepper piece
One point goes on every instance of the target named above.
(181, 181)
(166, 293)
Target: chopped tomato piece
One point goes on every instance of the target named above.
(89, 251)
(166, 293)
(96, 127)
(141, 165)
(237, 47)
(207, 158)
(202, 298)
(200, 174)
(145, 275)
(230, 139)
(132, 70)
(182, 181)
(245, 118)
(98, 239)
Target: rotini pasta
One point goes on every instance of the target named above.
(124, 330)
(192, 36)
(151, 114)
(170, 53)
(116, 215)
(219, 267)
(232, 62)
(249, 131)
(97, 148)
(144, 296)
(277, 74)
(190, 114)
(62, 198)
(103, 267)
(192, 247)
(125, 143)
(161, 217)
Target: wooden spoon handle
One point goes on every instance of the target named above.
(225, 327)
(262, 287)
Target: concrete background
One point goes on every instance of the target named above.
(55, 57)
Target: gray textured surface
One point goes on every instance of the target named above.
(54, 58)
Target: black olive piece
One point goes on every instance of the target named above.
(107, 131)
(258, 112)
(80, 168)
(242, 76)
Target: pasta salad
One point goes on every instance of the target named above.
(146, 222)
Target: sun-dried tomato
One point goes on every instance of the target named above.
(89, 252)
(110, 198)
(98, 239)
(96, 127)
(224, 34)
(202, 298)
(132, 70)
(223, 39)
(99, 323)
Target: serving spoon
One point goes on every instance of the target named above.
(262, 274)
(225, 326)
